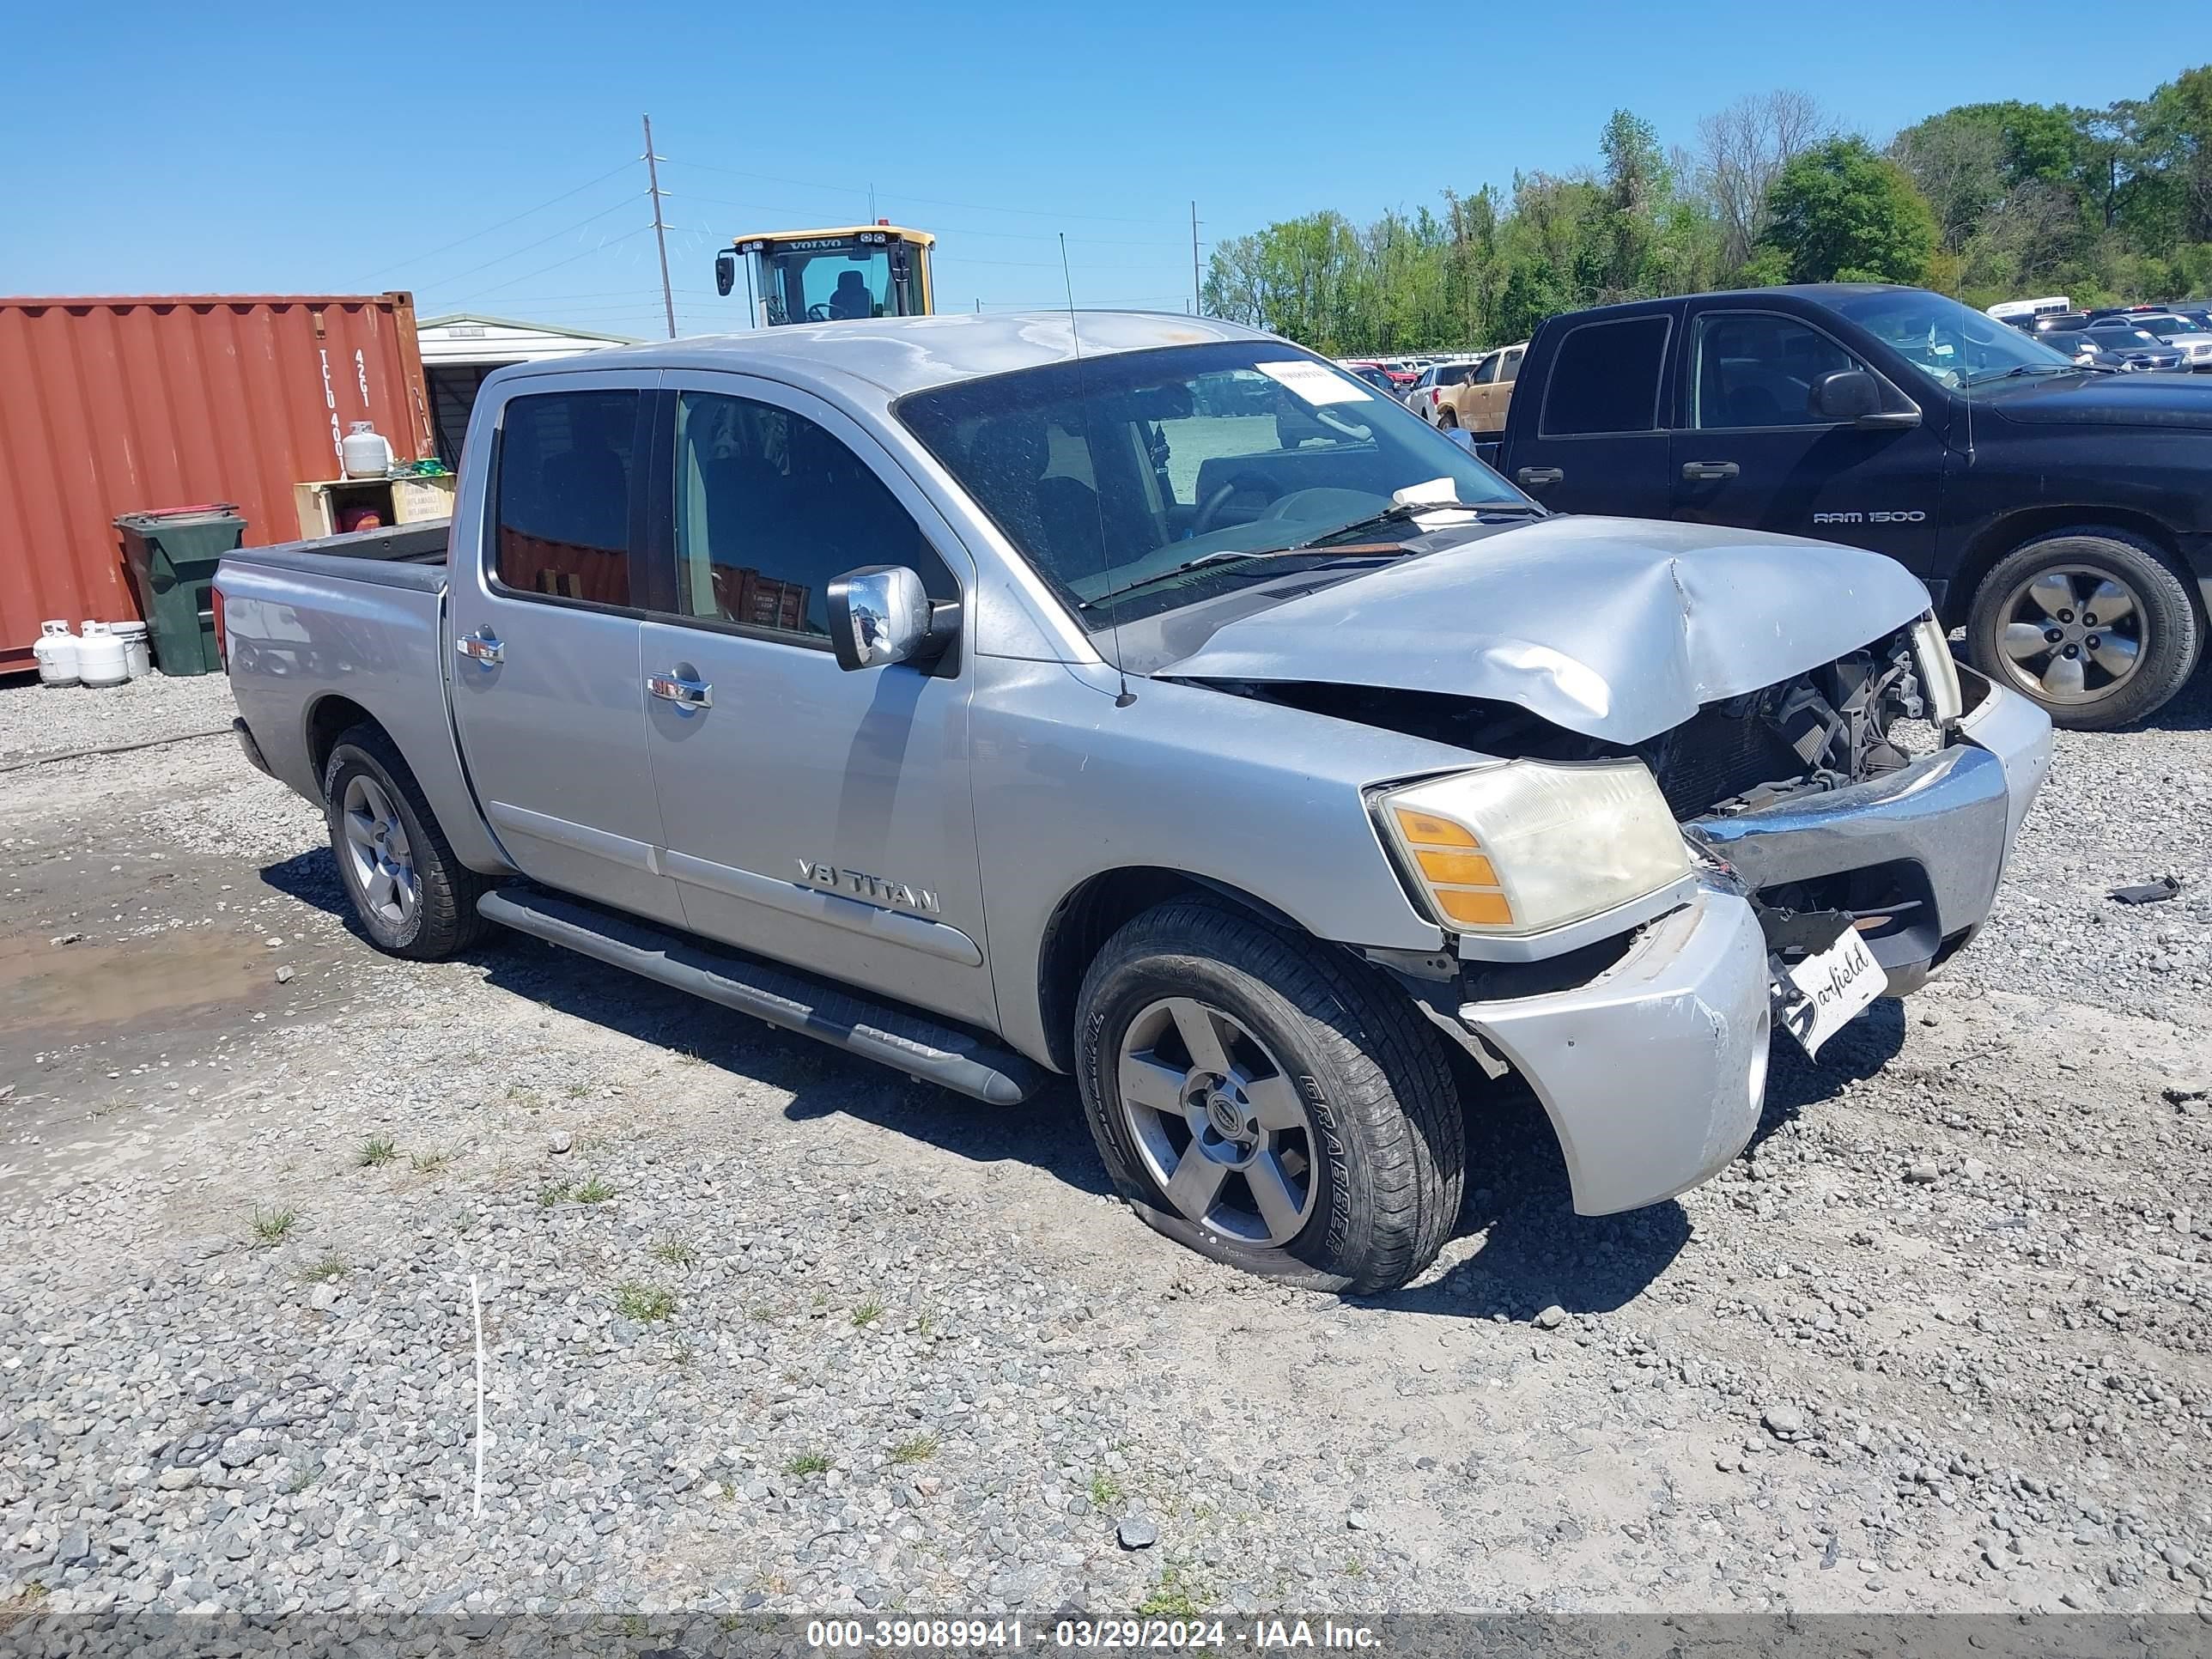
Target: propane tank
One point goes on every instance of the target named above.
(101, 659)
(56, 650)
(135, 654)
(365, 452)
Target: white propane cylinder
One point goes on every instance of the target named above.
(100, 657)
(56, 650)
(136, 657)
(365, 452)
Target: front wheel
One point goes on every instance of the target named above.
(1266, 1102)
(2094, 624)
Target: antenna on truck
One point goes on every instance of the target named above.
(1105, 571)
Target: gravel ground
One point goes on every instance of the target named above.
(767, 1328)
(35, 720)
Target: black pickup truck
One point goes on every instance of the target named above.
(2063, 516)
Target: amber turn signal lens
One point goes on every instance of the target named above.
(1425, 830)
(1477, 909)
(1458, 869)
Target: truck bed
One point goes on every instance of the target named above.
(326, 633)
(412, 555)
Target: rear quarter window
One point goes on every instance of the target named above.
(1605, 379)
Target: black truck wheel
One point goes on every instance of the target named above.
(1262, 1099)
(414, 897)
(2094, 623)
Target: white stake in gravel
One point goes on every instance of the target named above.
(476, 1304)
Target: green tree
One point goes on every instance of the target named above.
(1840, 212)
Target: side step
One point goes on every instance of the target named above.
(906, 1042)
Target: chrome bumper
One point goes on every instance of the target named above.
(1653, 1074)
(1950, 817)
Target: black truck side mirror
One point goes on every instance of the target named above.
(1854, 395)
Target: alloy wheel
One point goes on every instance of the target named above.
(2072, 634)
(1220, 1124)
(376, 846)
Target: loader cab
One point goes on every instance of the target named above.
(830, 275)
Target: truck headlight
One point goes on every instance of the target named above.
(1524, 847)
(1931, 650)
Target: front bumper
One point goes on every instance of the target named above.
(1653, 1073)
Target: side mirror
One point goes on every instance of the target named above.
(726, 271)
(879, 614)
(1854, 395)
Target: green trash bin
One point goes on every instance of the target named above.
(173, 554)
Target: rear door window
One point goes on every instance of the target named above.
(1605, 379)
(564, 488)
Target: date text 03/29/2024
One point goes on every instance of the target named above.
(1008, 1635)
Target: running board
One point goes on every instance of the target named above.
(905, 1040)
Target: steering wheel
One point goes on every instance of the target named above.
(818, 313)
(1210, 509)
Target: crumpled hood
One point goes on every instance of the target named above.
(1618, 628)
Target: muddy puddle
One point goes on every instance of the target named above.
(58, 989)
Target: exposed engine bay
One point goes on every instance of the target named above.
(1859, 717)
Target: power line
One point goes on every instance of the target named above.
(502, 225)
(932, 201)
(514, 252)
(517, 280)
(958, 230)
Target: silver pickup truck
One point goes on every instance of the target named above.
(1144, 698)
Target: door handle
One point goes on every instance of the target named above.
(1703, 471)
(1537, 477)
(673, 688)
(484, 646)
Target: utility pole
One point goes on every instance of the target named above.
(659, 229)
(1197, 302)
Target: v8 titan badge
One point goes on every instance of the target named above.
(1821, 995)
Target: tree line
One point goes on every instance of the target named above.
(1986, 201)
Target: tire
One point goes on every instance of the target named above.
(2022, 639)
(365, 770)
(1383, 1147)
(1446, 420)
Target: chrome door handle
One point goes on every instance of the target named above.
(691, 694)
(1707, 471)
(483, 646)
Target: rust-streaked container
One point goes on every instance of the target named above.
(109, 406)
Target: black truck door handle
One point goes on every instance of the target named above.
(1702, 470)
(1535, 477)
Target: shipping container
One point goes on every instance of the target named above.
(109, 406)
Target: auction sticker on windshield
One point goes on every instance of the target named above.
(1831, 987)
(1316, 384)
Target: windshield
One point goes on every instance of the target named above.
(826, 279)
(1953, 346)
(2174, 325)
(1122, 470)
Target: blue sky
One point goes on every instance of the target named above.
(485, 157)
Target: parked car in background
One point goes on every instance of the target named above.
(1374, 374)
(1478, 403)
(2084, 348)
(2060, 515)
(1426, 397)
(2062, 322)
(2192, 338)
(1307, 776)
(2136, 346)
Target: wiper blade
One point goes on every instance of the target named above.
(1403, 512)
(1224, 556)
(2020, 368)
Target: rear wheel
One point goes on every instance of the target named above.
(1446, 419)
(2094, 624)
(1266, 1102)
(414, 897)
